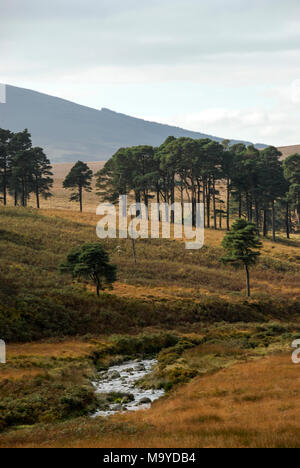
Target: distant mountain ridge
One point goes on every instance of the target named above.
(70, 131)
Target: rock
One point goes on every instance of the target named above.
(127, 398)
(117, 407)
(113, 375)
(145, 401)
(140, 367)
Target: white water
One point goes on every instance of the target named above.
(130, 372)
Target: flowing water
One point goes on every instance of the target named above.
(122, 379)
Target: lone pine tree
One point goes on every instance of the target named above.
(242, 246)
(78, 179)
(91, 262)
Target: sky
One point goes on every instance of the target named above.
(229, 68)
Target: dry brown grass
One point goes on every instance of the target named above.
(60, 200)
(18, 374)
(288, 150)
(65, 348)
(255, 404)
(186, 279)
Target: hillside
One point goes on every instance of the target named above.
(69, 131)
(288, 150)
(168, 285)
(216, 352)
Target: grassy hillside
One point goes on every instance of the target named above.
(217, 352)
(169, 285)
(288, 150)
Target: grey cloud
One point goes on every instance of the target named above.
(68, 33)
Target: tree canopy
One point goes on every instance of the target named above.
(90, 261)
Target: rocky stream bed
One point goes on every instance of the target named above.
(121, 379)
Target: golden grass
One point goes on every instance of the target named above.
(254, 404)
(18, 374)
(65, 348)
(206, 278)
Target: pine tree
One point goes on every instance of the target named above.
(242, 246)
(90, 261)
(21, 178)
(5, 137)
(42, 175)
(79, 179)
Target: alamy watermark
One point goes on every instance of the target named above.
(2, 352)
(296, 353)
(2, 93)
(158, 220)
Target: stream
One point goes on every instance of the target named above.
(122, 379)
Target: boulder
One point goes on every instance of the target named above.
(113, 375)
(145, 401)
(116, 407)
(140, 367)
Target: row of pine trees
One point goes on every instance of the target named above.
(24, 169)
(229, 179)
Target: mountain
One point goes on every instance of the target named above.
(69, 131)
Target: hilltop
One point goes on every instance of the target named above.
(70, 131)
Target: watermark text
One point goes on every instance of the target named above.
(158, 220)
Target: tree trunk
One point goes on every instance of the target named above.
(37, 194)
(214, 204)
(257, 217)
(23, 192)
(137, 201)
(182, 206)
(240, 206)
(98, 286)
(194, 205)
(247, 206)
(250, 209)
(80, 198)
(247, 281)
(287, 220)
(172, 197)
(273, 222)
(265, 223)
(228, 204)
(157, 201)
(208, 205)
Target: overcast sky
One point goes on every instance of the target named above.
(225, 67)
